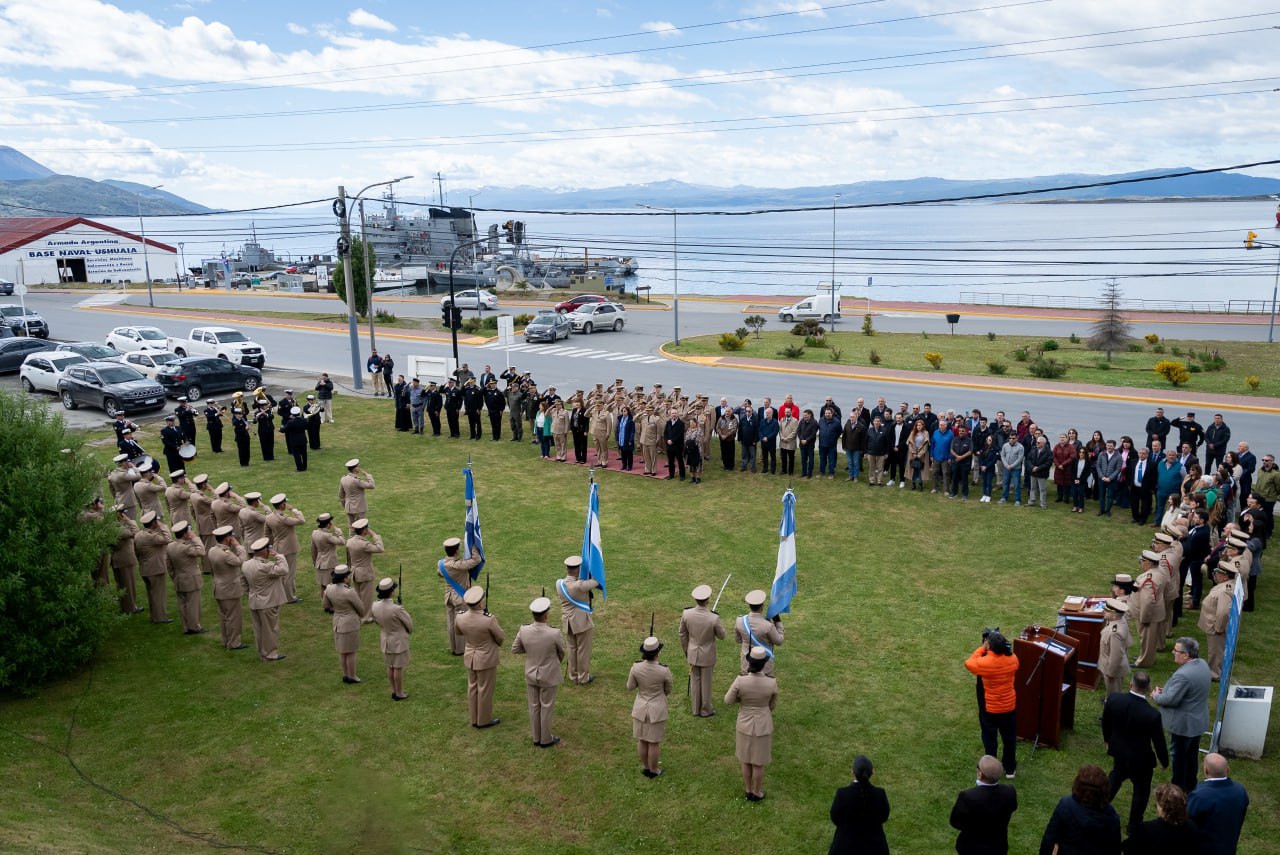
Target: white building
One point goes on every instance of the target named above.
(49, 250)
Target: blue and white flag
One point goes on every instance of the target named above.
(472, 539)
(592, 557)
(784, 576)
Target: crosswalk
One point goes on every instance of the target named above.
(573, 352)
(108, 298)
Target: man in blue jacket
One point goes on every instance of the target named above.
(940, 456)
(828, 438)
(1168, 481)
(1217, 807)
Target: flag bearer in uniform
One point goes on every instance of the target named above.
(755, 630)
(483, 640)
(544, 649)
(456, 573)
(699, 629)
(652, 682)
(575, 616)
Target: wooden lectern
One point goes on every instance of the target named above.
(1046, 684)
(1085, 625)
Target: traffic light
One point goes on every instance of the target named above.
(1249, 239)
(509, 228)
(455, 317)
(446, 314)
(519, 233)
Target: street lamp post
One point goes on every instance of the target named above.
(834, 199)
(364, 240)
(675, 265)
(146, 257)
(453, 257)
(1252, 243)
(344, 253)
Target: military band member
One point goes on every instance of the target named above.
(294, 427)
(172, 439)
(184, 553)
(281, 525)
(224, 562)
(652, 682)
(124, 562)
(253, 517)
(483, 639)
(754, 630)
(202, 506)
(396, 626)
(351, 491)
(325, 541)
(456, 573)
(362, 545)
(149, 545)
(128, 444)
(227, 504)
(544, 649)
(313, 412)
(121, 481)
(1148, 604)
(699, 629)
(178, 497)
(575, 617)
(186, 419)
(150, 492)
(757, 693)
(265, 421)
(213, 415)
(1113, 649)
(264, 577)
(348, 610)
(1215, 609)
(240, 426)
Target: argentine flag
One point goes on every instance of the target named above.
(472, 539)
(592, 557)
(784, 577)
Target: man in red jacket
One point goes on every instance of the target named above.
(996, 667)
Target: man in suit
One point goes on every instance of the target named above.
(1134, 736)
(1108, 469)
(1248, 464)
(1113, 646)
(1141, 476)
(755, 630)
(281, 525)
(483, 637)
(456, 573)
(149, 545)
(982, 812)
(699, 629)
(351, 490)
(748, 435)
(225, 560)
(673, 442)
(264, 577)
(1157, 429)
(575, 617)
(1218, 807)
(1195, 549)
(487, 376)
(183, 555)
(1184, 706)
(544, 649)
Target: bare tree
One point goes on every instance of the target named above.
(755, 323)
(1111, 331)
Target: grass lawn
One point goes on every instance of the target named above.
(894, 589)
(969, 354)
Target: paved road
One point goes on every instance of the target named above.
(611, 355)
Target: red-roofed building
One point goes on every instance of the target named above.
(74, 249)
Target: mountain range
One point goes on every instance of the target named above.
(30, 189)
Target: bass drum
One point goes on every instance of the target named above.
(187, 452)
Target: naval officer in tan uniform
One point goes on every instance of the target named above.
(1113, 647)
(1148, 605)
(281, 525)
(575, 617)
(544, 649)
(755, 630)
(224, 562)
(149, 544)
(178, 497)
(699, 629)
(396, 626)
(183, 555)
(124, 562)
(456, 573)
(351, 491)
(362, 545)
(253, 518)
(1215, 609)
(150, 492)
(652, 682)
(341, 601)
(264, 576)
(325, 540)
(483, 639)
(226, 509)
(121, 481)
(202, 506)
(758, 695)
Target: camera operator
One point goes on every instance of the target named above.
(996, 667)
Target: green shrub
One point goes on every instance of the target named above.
(1048, 344)
(991, 336)
(522, 320)
(1157, 348)
(811, 341)
(1177, 351)
(742, 332)
(874, 357)
(1075, 339)
(924, 335)
(1102, 365)
(1046, 369)
(995, 366)
(1021, 355)
(755, 323)
(1151, 338)
(809, 328)
(471, 325)
(1133, 347)
(1212, 360)
(730, 341)
(792, 351)
(867, 327)
(935, 359)
(1194, 369)
(1175, 372)
(835, 354)
(54, 617)
(384, 316)
(489, 322)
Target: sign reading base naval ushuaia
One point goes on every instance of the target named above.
(51, 250)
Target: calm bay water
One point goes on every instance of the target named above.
(1155, 250)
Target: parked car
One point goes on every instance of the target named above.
(129, 339)
(16, 349)
(41, 370)
(196, 375)
(222, 342)
(24, 323)
(148, 362)
(6, 288)
(91, 351)
(113, 387)
(547, 326)
(467, 299)
(598, 316)
(580, 300)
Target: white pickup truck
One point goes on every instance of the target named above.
(222, 342)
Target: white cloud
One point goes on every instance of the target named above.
(296, 29)
(665, 29)
(603, 13)
(369, 21)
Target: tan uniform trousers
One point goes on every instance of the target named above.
(601, 445)
(290, 581)
(650, 455)
(457, 644)
(266, 631)
(875, 473)
(365, 590)
(1217, 643)
(700, 677)
(580, 656)
(351, 518)
(480, 695)
(561, 442)
(127, 586)
(1115, 684)
(189, 610)
(1151, 638)
(542, 708)
(230, 622)
(157, 594)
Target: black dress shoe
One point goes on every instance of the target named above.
(490, 724)
(239, 647)
(196, 631)
(555, 740)
(647, 773)
(166, 620)
(139, 610)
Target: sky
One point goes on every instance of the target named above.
(232, 104)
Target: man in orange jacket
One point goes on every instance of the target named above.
(996, 667)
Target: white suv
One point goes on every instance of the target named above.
(598, 316)
(129, 339)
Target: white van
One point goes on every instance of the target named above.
(817, 307)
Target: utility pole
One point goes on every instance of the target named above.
(344, 252)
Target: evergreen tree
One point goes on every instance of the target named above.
(357, 273)
(1111, 331)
